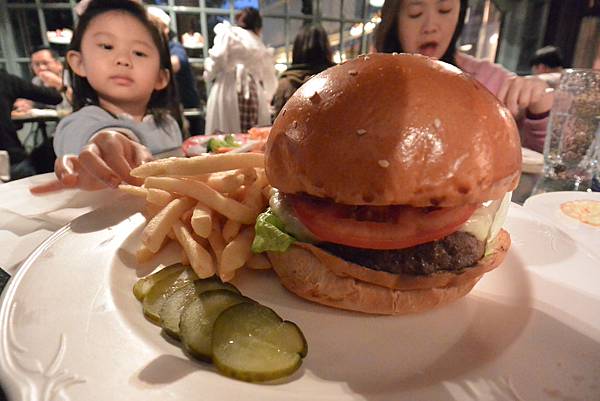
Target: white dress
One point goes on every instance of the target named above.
(236, 55)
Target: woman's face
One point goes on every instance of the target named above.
(426, 26)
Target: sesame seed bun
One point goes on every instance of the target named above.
(394, 129)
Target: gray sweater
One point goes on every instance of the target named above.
(76, 130)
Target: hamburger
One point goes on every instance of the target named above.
(392, 177)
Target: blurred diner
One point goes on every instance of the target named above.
(311, 54)
(11, 88)
(547, 64)
(243, 72)
(48, 71)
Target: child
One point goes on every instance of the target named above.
(122, 94)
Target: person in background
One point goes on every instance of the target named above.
(243, 71)
(122, 93)
(547, 64)
(547, 59)
(48, 71)
(311, 54)
(184, 75)
(432, 28)
(11, 88)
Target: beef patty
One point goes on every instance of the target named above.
(452, 253)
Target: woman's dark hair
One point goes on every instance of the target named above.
(311, 46)
(386, 35)
(161, 102)
(249, 18)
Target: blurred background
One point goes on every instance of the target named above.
(505, 31)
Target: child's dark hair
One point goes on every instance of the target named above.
(161, 102)
(311, 46)
(249, 18)
(386, 35)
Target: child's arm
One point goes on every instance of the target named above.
(104, 163)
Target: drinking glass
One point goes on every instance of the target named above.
(571, 147)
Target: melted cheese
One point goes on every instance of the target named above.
(292, 225)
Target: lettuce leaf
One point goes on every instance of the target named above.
(270, 234)
(228, 142)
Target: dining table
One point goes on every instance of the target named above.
(530, 329)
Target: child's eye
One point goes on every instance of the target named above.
(105, 46)
(140, 54)
(448, 11)
(414, 15)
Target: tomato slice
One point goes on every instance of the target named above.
(393, 227)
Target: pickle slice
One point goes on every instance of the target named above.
(170, 313)
(158, 294)
(198, 317)
(143, 285)
(252, 343)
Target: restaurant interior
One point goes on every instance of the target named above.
(211, 208)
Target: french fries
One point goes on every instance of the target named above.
(203, 193)
(157, 229)
(208, 205)
(201, 220)
(177, 166)
(236, 253)
(200, 259)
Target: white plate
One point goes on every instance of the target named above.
(70, 329)
(548, 205)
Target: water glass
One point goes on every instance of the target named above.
(571, 147)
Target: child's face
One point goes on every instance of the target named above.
(119, 59)
(426, 26)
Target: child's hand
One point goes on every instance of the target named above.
(531, 93)
(105, 162)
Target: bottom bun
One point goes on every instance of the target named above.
(304, 273)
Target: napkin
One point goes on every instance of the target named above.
(27, 220)
(15, 197)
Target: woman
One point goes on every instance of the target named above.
(432, 28)
(311, 54)
(244, 74)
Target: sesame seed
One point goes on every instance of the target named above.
(315, 98)
(394, 53)
(367, 57)
(384, 163)
(353, 72)
(294, 124)
(437, 123)
(361, 131)
(283, 112)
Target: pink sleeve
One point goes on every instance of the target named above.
(533, 133)
(492, 76)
